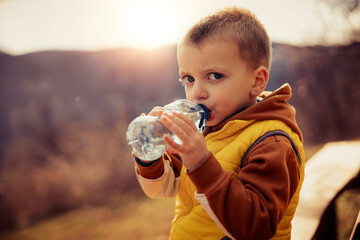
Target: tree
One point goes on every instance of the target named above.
(340, 15)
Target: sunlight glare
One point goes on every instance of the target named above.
(148, 24)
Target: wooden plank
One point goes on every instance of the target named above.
(355, 235)
(326, 173)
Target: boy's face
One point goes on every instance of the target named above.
(213, 74)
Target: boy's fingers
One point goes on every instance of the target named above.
(186, 119)
(182, 122)
(156, 111)
(176, 125)
(172, 146)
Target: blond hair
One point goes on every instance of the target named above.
(240, 26)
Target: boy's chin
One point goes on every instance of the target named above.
(211, 120)
(211, 123)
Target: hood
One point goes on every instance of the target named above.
(271, 105)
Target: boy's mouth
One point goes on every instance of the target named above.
(207, 111)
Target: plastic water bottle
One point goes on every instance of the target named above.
(145, 134)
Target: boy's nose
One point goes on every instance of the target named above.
(199, 91)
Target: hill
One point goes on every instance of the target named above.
(84, 84)
(96, 84)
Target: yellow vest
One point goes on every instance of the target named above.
(229, 145)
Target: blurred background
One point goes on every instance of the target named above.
(73, 74)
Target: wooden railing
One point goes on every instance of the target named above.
(332, 170)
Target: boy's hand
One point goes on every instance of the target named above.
(193, 150)
(156, 111)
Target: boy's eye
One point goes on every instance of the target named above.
(215, 76)
(188, 79)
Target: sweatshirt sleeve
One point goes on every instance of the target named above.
(159, 179)
(250, 205)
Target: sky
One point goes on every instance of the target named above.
(36, 25)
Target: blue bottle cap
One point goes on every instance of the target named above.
(206, 110)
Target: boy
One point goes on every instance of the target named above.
(241, 178)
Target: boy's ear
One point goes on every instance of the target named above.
(261, 77)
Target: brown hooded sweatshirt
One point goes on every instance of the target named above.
(252, 205)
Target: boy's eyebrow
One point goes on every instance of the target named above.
(206, 70)
(215, 69)
(182, 73)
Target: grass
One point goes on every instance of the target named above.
(139, 219)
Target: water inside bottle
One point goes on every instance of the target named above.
(146, 138)
(145, 134)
